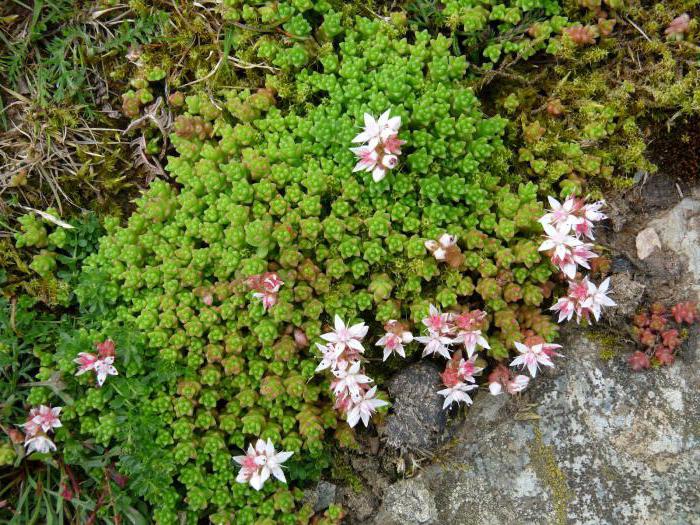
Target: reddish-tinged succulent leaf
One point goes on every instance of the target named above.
(499, 374)
(664, 355)
(534, 340)
(300, 339)
(638, 361)
(641, 320)
(580, 35)
(685, 312)
(671, 339)
(555, 108)
(605, 27)
(657, 322)
(453, 256)
(647, 338)
(450, 377)
(657, 308)
(600, 265)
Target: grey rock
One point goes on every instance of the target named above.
(361, 498)
(628, 295)
(321, 496)
(621, 264)
(679, 231)
(603, 445)
(647, 241)
(361, 506)
(417, 420)
(407, 502)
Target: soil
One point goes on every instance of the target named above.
(677, 151)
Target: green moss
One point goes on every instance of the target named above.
(608, 341)
(548, 472)
(342, 472)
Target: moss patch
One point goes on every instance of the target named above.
(610, 344)
(549, 473)
(343, 473)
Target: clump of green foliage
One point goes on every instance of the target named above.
(205, 368)
(492, 32)
(76, 487)
(62, 51)
(37, 316)
(46, 259)
(270, 95)
(238, 42)
(588, 116)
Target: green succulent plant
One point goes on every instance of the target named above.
(260, 190)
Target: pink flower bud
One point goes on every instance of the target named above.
(15, 436)
(300, 338)
(106, 348)
(390, 161)
(678, 25)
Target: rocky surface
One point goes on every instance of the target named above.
(591, 442)
(417, 421)
(321, 496)
(679, 232)
(603, 445)
(408, 501)
(655, 253)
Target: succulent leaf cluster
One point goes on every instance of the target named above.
(660, 333)
(513, 29)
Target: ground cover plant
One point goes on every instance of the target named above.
(340, 189)
(277, 193)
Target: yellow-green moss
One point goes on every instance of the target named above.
(609, 343)
(549, 473)
(343, 472)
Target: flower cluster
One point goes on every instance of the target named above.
(350, 386)
(656, 333)
(445, 331)
(584, 299)
(40, 422)
(102, 363)
(502, 379)
(265, 287)
(535, 354)
(565, 225)
(381, 145)
(394, 339)
(458, 379)
(260, 462)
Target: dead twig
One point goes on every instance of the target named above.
(641, 32)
